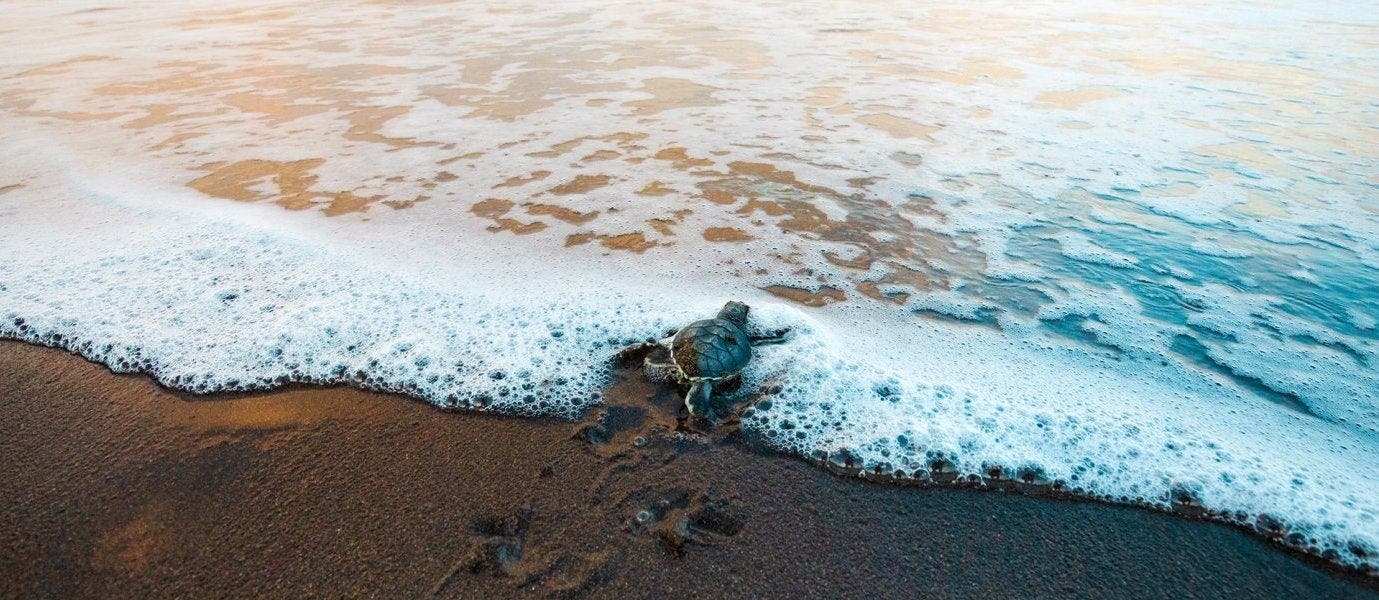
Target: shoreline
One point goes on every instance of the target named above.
(117, 486)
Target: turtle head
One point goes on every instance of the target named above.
(734, 311)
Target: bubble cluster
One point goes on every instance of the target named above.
(214, 311)
(1176, 447)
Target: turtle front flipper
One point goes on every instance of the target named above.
(778, 337)
(697, 398)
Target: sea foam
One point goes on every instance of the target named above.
(1122, 267)
(204, 300)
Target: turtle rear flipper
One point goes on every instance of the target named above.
(635, 353)
(658, 365)
(697, 398)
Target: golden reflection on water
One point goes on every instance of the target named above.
(1071, 99)
(898, 126)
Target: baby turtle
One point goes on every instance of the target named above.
(704, 356)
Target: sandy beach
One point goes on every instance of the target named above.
(115, 487)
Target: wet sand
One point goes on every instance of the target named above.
(114, 486)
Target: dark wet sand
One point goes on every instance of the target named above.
(113, 486)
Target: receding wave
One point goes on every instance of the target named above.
(1140, 267)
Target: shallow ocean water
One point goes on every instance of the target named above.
(1130, 247)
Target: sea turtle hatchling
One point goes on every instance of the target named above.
(704, 356)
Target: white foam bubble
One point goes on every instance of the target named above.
(1079, 247)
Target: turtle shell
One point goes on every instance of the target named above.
(712, 348)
